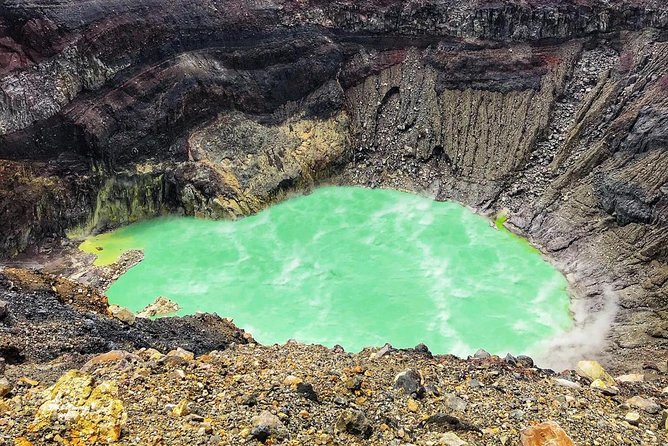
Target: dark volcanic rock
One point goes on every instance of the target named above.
(554, 111)
(42, 326)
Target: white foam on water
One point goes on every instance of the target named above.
(427, 219)
(287, 276)
(521, 326)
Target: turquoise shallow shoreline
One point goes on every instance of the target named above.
(350, 266)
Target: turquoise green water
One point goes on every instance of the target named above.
(349, 266)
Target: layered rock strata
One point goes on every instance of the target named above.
(554, 111)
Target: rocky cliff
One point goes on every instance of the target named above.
(552, 110)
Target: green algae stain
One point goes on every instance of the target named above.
(350, 266)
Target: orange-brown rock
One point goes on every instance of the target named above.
(545, 434)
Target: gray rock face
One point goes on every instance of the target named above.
(553, 111)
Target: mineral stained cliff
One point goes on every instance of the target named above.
(555, 111)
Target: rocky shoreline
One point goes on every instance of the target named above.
(75, 374)
(298, 394)
(553, 112)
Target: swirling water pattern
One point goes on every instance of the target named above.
(350, 266)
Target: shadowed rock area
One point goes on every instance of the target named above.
(553, 111)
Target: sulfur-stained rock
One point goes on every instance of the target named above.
(92, 413)
(5, 408)
(181, 409)
(291, 380)
(593, 370)
(545, 434)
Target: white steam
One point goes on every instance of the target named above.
(593, 318)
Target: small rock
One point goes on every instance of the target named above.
(644, 404)
(593, 370)
(631, 378)
(113, 356)
(383, 351)
(633, 418)
(307, 391)
(517, 414)
(481, 354)
(122, 314)
(181, 353)
(291, 380)
(453, 402)
(267, 425)
(599, 384)
(525, 361)
(354, 383)
(451, 439)
(510, 359)
(545, 434)
(448, 423)
(181, 409)
(5, 387)
(566, 383)
(412, 405)
(664, 420)
(354, 422)
(410, 381)
(4, 309)
(422, 348)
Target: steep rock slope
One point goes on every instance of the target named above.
(555, 111)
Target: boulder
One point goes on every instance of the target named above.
(593, 370)
(91, 413)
